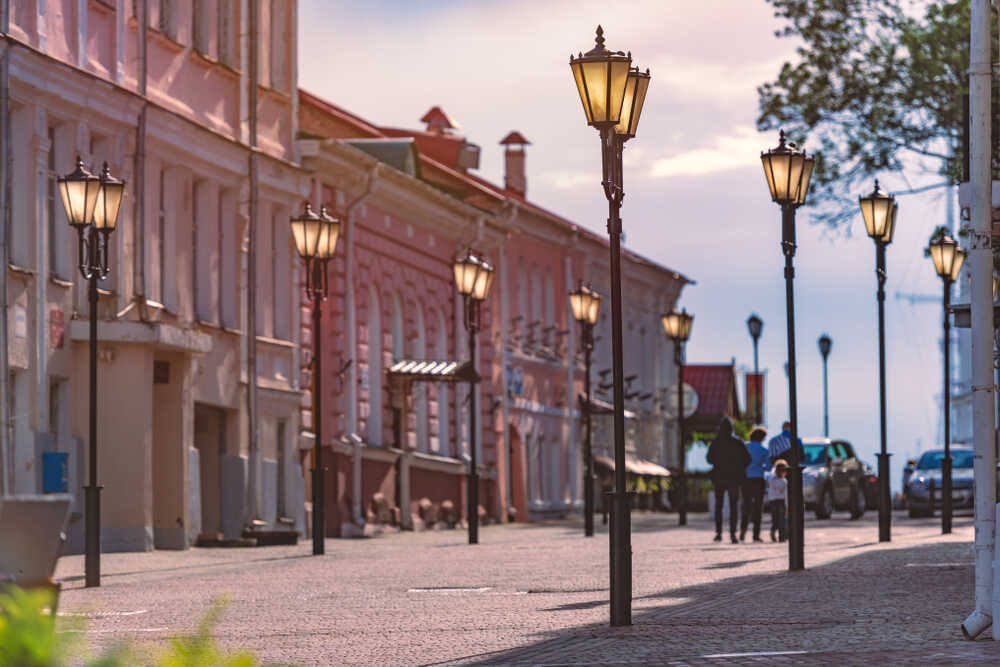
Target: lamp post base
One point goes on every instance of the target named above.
(92, 535)
(682, 501)
(621, 568)
(473, 509)
(945, 495)
(319, 512)
(884, 500)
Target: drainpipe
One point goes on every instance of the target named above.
(571, 422)
(6, 160)
(351, 319)
(981, 264)
(253, 444)
(139, 181)
(505, 356)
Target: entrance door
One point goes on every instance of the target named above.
(210, 440)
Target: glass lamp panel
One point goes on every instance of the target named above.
(581, 88)
(956, 266)
(484, 279)
(688, 320)
(595, 77)
(796, 165)
(595, 308)
(996, 285)
(628, 105)
(576, 305)
(807, 169)
(875, 209)
(635, 96)
(670, 325)
(327, 243)
(754, 324)
(79, 191)
(466, 272)
(890, 223)
(777, 167)
(299, 236)
(108, 204)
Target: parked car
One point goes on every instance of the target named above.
(926, 480)
(834, 478)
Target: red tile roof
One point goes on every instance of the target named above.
(715, 385)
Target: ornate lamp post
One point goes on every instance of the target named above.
(612, 93)
(879, 211)
(755, 325)
(586, 306)
(92, 204)
(315, 239)
(677, 326)
(948, 259)
(473, 278)
(825, 344)
(788, 170)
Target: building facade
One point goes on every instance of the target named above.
(198, 397)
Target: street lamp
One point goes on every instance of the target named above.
(755, 325)
(787, 170)
(612, 93)
(948, 259)
(586, 306)
(473, 278)
(879, 211)
(677, 326)
(315, 237)
(825, 343)
(92, 204)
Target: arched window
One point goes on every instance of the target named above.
(420, 388)
(397, 328)
(374, 367)
(443, 395)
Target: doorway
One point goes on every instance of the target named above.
(210, 441)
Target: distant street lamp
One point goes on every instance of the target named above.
(677, 326)
(92, 204)
(788, 170)
(315, 238)
(948, 259)
(879, 211)
(473, 278)
(612, 93)
(755, 325)
(825, 343)
(586, 306)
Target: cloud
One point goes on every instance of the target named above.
(567, 180)
(735, 151)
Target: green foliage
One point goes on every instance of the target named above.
(27, 629)
(28, 638)
(874, 84)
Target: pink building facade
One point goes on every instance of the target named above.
(198, 331)
(411, 203)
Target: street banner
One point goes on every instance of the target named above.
(755, 396)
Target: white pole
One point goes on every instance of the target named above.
(981, 268)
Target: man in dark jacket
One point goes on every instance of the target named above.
(729, 458)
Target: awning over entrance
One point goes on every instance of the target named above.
(599, 407)
(634, 465)
(414, 370)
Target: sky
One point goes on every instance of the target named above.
(695, 201)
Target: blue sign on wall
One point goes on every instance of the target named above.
(55, 472)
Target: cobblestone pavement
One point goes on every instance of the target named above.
(537, 594)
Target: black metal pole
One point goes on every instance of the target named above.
(682, 512)
(473, 482)
(826, 403)
(92, 493)
(760, 389)
(946, 508)
(588, 451)
(796, 515)
(318, 471)
(885, 502)
(621, 570)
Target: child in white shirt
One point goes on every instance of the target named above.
(777, 499)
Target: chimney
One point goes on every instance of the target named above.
(438, 122)
(514, 179)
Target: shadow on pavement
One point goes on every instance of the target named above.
(908, 599)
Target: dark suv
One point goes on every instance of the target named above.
(833, 478)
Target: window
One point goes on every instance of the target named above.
(374, 367)
(224, 24)
(201, 25)
(161, 233)
(279, 45)
(228, 251)
(167, 18)
(205, 283)
(58, 250)
(282, 511)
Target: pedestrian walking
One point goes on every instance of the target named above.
(778, 446)
(729, 458)
(777, 499)
(753, 485)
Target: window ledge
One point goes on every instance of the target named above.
(61, 282)
(276, 341)
(21, 269)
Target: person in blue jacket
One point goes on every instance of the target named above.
(753, 485)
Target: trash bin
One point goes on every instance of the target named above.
(55, 472)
